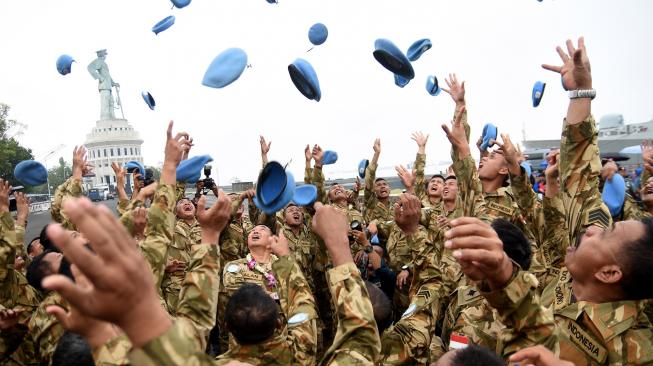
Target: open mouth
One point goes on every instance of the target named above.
(296, 216)
(256, 236)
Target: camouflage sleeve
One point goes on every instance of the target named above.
(298, 304)
(127, 217)
(528, 203)
(426, 269)
(470, 190)
(632, 210)
(318, 181)
(122, 206)
(45, 330)
(580, 166)
(519, 308)
(19, 244)
(235, 205)
(174, 347)
(7, 247)
(113, 353)
(357, 338)
(180, 191)
(198, 298)
(420, 181)
(368, 194)
(454, 152)
(160, 230)
(308, 173)
(555, 235)
(69, 189)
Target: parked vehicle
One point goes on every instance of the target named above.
(99, 193)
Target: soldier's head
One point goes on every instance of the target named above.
(34, 247)
(337, 194)
(493, 167)
(435, 185)
(259, 237)
(293, 215)
(515, 243)
(251, 315)
(185, 209)
(381, 306)
(46, 264)
(613, 263)
(72, 350)
(381, 188)
(647, 192)
(450, 190)
(471, 355)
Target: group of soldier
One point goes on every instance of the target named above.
(464, 268)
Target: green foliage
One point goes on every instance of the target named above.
(11, 152)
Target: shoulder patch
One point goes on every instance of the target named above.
(298, 319)
(410, 310)
(233, 268)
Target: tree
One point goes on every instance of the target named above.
(11, 152)
(58, 174)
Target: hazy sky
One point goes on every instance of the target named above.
(497, 46)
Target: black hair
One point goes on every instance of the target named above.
(381, 305)
(440, 176)
(449, 177)
(45, 241)
(72, 350)
(251, 315)
(38, 269)
(635, 260)
(379, 179)
(515, 243)
(473, 355)
(29, 245)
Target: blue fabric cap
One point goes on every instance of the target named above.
(329, 157)
(636, 149)
(190, 170)
(149, 100)
(64, 64)
(133, 165)
(318, 34)
(401, 82)
(416, 50)
(538, 92)
(272, 1)
(180, 3)
(305, 79)
(31, 173)
(432, 85)
(275, 188)
(391, 57)
(164, 24)
(614, 194)
(489, 133)
(305, 195)
(527, 168)
(225, 68)
(362, 167)
(375, 240)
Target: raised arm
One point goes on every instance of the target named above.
(308, 171)
(318, 176)
(420, 163)
(456, 90)
(265, 148)
(71, 188)
(370, 177)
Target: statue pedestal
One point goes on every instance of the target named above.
(113, 140)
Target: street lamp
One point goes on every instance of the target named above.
(45, 162)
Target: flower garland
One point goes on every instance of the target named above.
(253, 265)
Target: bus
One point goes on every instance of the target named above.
(99, 193)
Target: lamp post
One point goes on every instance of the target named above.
(45, 162)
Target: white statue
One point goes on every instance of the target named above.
(99, 70)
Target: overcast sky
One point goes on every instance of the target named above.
(497, 46)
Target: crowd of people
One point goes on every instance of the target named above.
(470, 267)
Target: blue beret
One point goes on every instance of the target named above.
(225, 68)
(305, 79)
(274, 188)
(31, 173)
(272, 1)
(64, 64)
(362, 166)
(164, 24)
(133, 165)
(318, 34)
(305, 195)
(538, 92)
(329, 157)
(401, 82)
(149, 100)
(614, 194)
(527, 168)
(180, 3)
(190, 170)
(489, 133)
(416, 50)
(390, 57)
(432, 85)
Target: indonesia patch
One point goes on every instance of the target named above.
(458, 341)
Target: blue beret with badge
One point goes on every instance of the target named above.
(164, 24)
(329, 157)
(614, 194)
(190, 170)
(64, 64)
(418, 48)
(31, 173)
(149, 100)
(305, 79)
(538, 93)
(225, 68)
(391, 57)
(318, 34)
(362, 167)
(432, 86)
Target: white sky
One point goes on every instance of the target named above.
(497, 46)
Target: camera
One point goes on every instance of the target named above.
(358, 226)
(209, 183)
(148, 178)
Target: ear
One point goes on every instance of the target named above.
(609, 274)
(504, 170)
(279, 324)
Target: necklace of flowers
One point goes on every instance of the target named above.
(253, 265)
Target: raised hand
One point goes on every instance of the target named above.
(147, 192)
(140, 222)
(307, 154)
(552, 159)
(456, 134)
(265, 148)
(318, 154)
(421, 141)
(22, 208)
(377, 146)
(184, 155)
(175, 146)
(575, 69)
(647, 155)
(80, 166)
(510, 153)
(455, 89)
(407, 177)
(407, 213)
(5, 189)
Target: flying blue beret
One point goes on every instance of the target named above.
(164, 24)
(401, 82)
(391, 57)
(362, 166)
(527, 168)
(31, 173)
(538, 92)
(432, 85)
(149, 100)
(305, 79)
(416, 50)
(225, 68)
(318, 34)
(64, 64)
(275, 188)
(614, 194)
(329, 157)
(190, 170)
(272, 1)
(131, 165)
(489, 133)
(305, 195)
(180, 3)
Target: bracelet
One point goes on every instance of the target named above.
(587, 93)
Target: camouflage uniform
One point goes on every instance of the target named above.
(185, 236)
(632, 210)
(233, 240)
(375, 209)
(69, 189)
(421, 183)
(303, 248)
(399, 254)
(113, 353)
(45, 330)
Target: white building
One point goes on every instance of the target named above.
(111, 141)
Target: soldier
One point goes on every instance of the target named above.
(430, 193)
(377, 191)
(233, 242)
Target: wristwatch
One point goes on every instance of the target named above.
(587, 93)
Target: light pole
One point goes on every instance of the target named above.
(45, 162)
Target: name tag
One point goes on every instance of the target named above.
(508, 211)
(586, 342)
